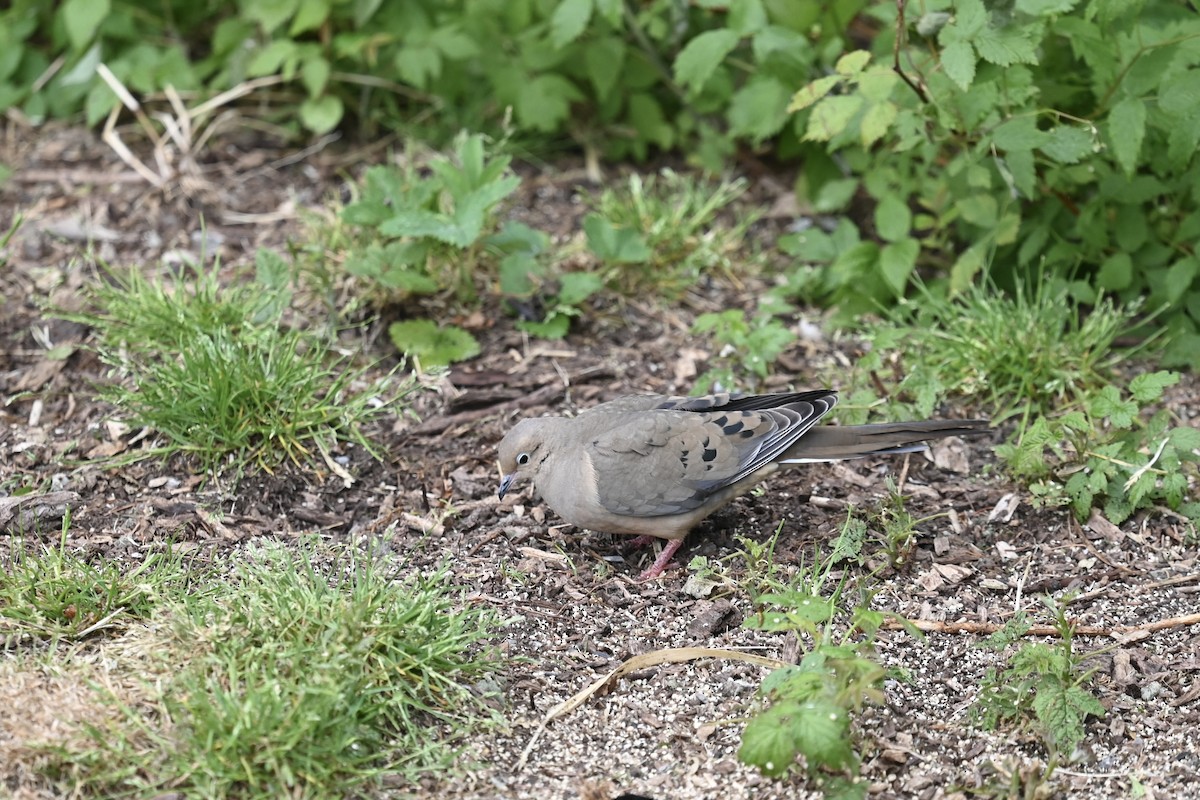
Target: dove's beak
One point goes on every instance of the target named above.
(505, 482)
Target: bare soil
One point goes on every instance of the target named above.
(576, 612)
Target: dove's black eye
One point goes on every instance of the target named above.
(523, 459)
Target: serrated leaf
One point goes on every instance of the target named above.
(701, 56)
(1108, 403)
(431, 344)
(418, 64)
(1116, 272)
(970, 17)
(958, 60)
(831, 116)
(575, 287)
(1148, 387)
(1178, 279)
(966, 266)
(1045, 8)
(419, 222)
(1068, 144)
(1019, 133)
(310, 15)
(876, 121)
(758, 110)
(604, 59)
(768, 742)
(553, 327)
(1126, 126)
(568, 21)
(1185, 440)
(897, 261)
(613, 244)
(893, 219)
(321, 114)
(807, 95)
(853, 62)
(517, 273)
(81, 19)
(544, 102)
(1005, 46)
(453, 43)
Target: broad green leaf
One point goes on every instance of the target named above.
(569, 21)
(966, 266)
(759, 109)
(517, 273)
(271, 59)
(1126, 127)
(1179, 277)
(768, 741)
(314, 74)
(1019, 169)
(876, 122)
(432, 344)
(418, 64)
(747, 17)
(1116, 272)
(1005, 47)
(611, 10)
(1019, 133)
(1045, 8)
(270, 14)
(613, 244)
(321, 114)
(544, 102)
(893, 219)
(811, 93)
(979, 209)
(876, 84)
(1108, 403)
(701, 56)
(896, 261)
(970, 17)
(553, 327)
(310, 15)
(604, 59)
(575, 287)
(1186, 440)
(853, 62)
(1148, 387)
(1068, 144)
(453, 43)
(835, 195)
(831, 116)
(419, 222)
(958, 60)
(82, 19)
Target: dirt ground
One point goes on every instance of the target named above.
(667, 732)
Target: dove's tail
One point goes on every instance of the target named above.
(834, 443)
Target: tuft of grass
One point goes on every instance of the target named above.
(213, 371)
(1021, 354)
(293, 677)
(675, 218)
(54, 593)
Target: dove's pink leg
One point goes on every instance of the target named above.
(661, 562)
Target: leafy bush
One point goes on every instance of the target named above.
(1033, 138)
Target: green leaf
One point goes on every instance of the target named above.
(314, 74)
(758, 110)
(1045, 8)
(453, 43)
(1063, 710)
(271, 59)
(1019, 133)
(517, 271)
(893, 219)
(432, 344)
(1126, 126)
(747, 17)
(1148, 387)
(418, 64)
(604, 59)
(701, 56)
(831, 116)
(896, 261)
(568, 21)
(82, 19)
(979, 209)
(958, 60)
(613, 244)
(852, 63)
(575, 287)
(768, 742)
(876, 121)
(553, 327)
(966, 266)
(1179, 277)
(321, 114)
(1108, 403)
(970, 18)
(811, 93)
(310, 15)
(1068, 144)
(1116, 272)
(1005, 47)
(545, 101)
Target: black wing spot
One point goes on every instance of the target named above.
(731, 428)
(746, 434)
(710, 454)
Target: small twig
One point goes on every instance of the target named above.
(901, 38)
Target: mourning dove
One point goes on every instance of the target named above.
(655, 465)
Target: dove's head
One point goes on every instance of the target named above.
(525, 449)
